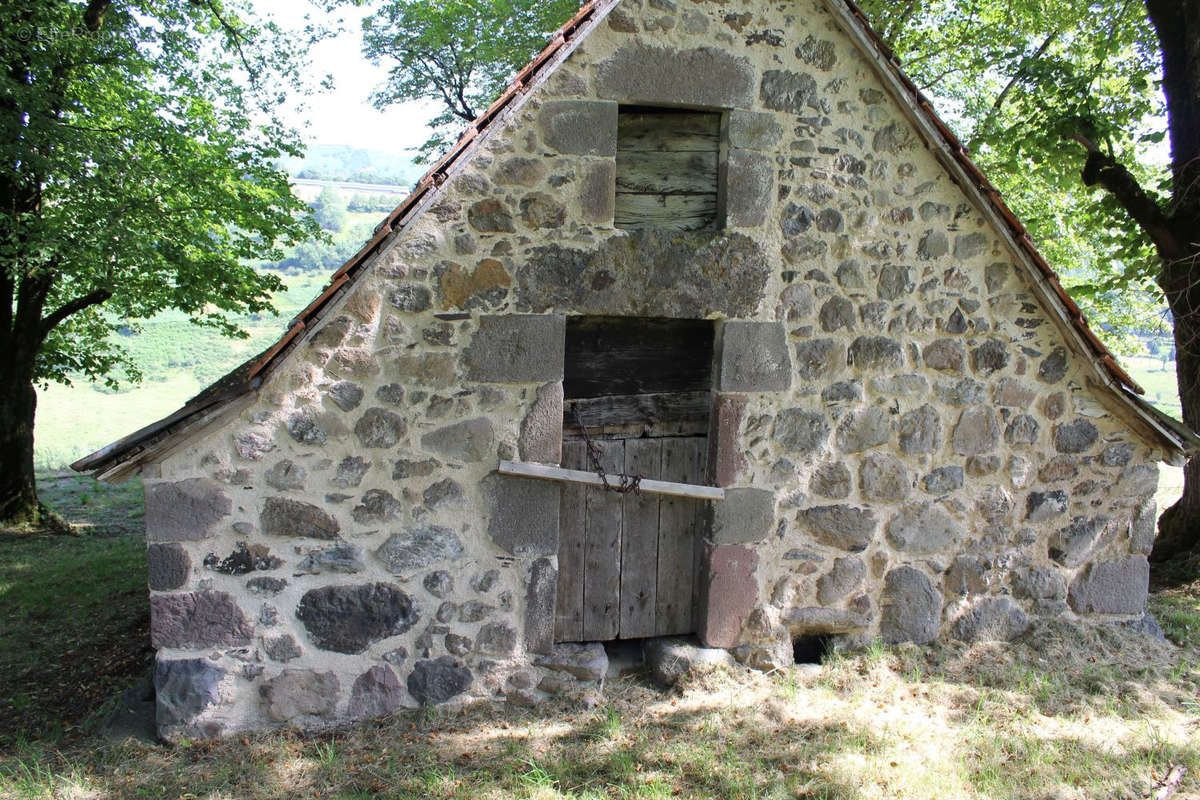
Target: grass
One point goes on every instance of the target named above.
(1067, 712)
(178, 360)
(1159, 381)
(73, 610)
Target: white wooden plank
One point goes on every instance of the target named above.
(648, 486)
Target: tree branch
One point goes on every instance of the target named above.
(88, 300)
(93, 17)
(1019, 73)
(234, 35)
(1105, 171)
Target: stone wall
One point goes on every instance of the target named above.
(910, 449)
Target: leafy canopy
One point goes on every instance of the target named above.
(1026, 84)
(149, 146)
(459, 53)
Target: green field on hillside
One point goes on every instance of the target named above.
(178, 359)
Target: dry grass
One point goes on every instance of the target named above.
(1066, 713)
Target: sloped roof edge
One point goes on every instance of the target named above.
(250, 375)
(117, 460)
(1179, 439)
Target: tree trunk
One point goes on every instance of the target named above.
(18, 489)
(1179, 526)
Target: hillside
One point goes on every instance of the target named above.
(345, 164)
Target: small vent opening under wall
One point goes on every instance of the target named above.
(669, 169)
(811, 649)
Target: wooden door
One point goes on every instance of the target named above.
(628, 563)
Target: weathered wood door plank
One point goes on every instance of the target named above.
(667, 131)
(639, 543)
(602, 551)
(678, 538)
(667, 173)
(568, 617)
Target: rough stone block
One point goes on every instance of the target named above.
(724, 440)
(744, 516)
(749, 188)
(375, 693)
(170, 566)
(924, 529)
(820, 620)
(541, 430)
(1073, 545)
(755, 358)
(517, 349)
(651, 273)
(801, 431)
(841, 526)
(912, 607)
(300, 694)
(846, 576)
(991, 619)
(864, 430)
(540, 597)
(184, 511)
(795, 92)
(183, 689)
(598, 192)
(435, 681)
(419, 547)
(524, 514)
(754, 130)
(580, 127)
(1112, 587)
(641, 73)
(469, 441)
(729, 593)
(669, 659)
(586, 662)
(284, 517)
(347, 619)
(1143, 527)
(877, 353)
(195, 621)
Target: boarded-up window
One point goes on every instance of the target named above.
(668, 164)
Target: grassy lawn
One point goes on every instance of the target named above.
(1066, 712)
(73, 610)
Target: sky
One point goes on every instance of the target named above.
(345, 114)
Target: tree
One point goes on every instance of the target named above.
(459, 53)
(329, 209)
(138, 143)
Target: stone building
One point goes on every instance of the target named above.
(731, 246)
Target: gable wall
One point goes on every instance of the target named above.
(908, 446)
